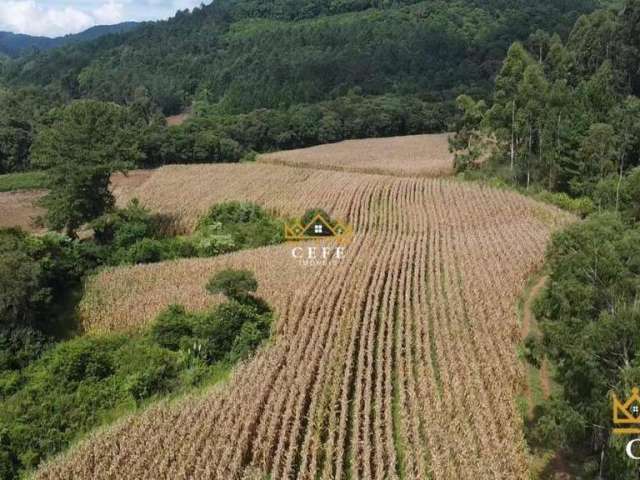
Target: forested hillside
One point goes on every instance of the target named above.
(15, 44)
(249, 54)
(261, 76)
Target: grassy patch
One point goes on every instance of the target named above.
(23, 181)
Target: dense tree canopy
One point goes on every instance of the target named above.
(86, 143)
(566, 117)
(286, 52)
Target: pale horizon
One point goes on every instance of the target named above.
(55, 18)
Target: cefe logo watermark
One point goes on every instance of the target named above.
(318, 225)
(626, 420)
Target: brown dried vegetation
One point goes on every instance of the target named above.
(409, 156)
(20, 209)
(398, 361)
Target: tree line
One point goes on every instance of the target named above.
(565, 117)
(250, 55)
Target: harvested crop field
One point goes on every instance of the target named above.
(409, 156)
(129, 298)
(398, 361)
(19, 209)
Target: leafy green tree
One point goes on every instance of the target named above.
(533, 92)
(507, 102)
(21, 289)
(466, 143)
(86, 142)
(589, 320)
(15, 141)
(594, 40)
(629, 32)
(235, 284)
(558, 62)
(598, 153)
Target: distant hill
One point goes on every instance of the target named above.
(16, 44)
(244, 55)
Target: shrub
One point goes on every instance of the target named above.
(235, 284)
(210, 240)
(146, 250)
(171, 327)
(248, 225)
(581, 206)
(20, 345)
(246, 341)
(219, 329)
(234, 212)
(10, 381)
(124, 227)
(557, 425)
(22, 292)
(150, 381)
(83, 359)
(533, 350)
(35, 274)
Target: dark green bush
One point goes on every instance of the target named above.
(533, 350)
(81, 360)
(249, 338)
(36, 273)
(229, 331)
(557, 425)
(146, 250)
(132, 235)
(171, 327)
(248, 224)
(20, 345)
(74, 387)
(219, 330)
(234, 284)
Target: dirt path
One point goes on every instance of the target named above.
(528, 318)
(529, 324)
(545, 379)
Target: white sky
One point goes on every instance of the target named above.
(53, 18)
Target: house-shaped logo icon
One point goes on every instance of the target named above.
(626, 416)
(318, 227)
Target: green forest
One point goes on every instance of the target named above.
(260, 76)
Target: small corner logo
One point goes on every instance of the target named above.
(626, 420)
(320, 226)
(626, 416)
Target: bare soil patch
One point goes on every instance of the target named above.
(19, 209)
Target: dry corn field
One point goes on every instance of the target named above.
(397, 362)
(129, 298)
(409, 156)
